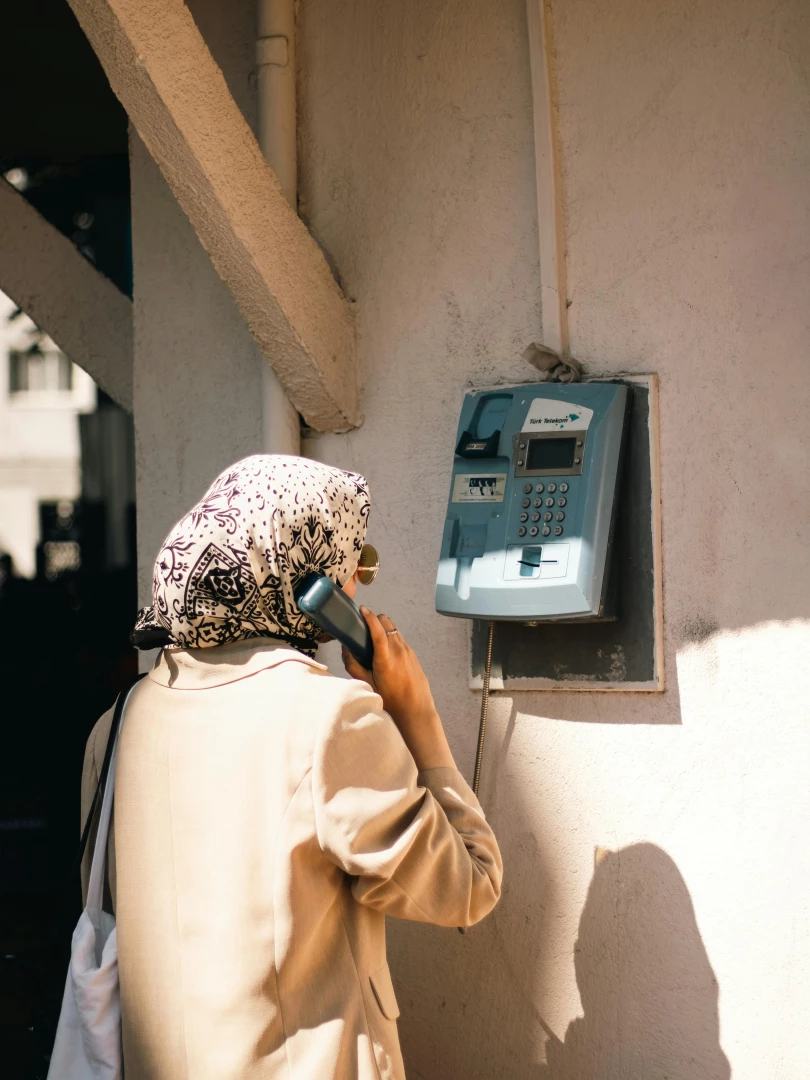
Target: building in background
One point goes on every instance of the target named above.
(43, 394)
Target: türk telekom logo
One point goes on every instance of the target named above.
(548, 413)
(554, 419)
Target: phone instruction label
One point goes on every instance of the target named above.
(477, 487)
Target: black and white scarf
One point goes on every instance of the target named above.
(229, 568)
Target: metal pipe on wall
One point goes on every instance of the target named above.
(276, 134)
(553, 302)
(275, 59)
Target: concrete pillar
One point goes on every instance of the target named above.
(197, 386)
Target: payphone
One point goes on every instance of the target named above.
(533, 495)
(530, 515)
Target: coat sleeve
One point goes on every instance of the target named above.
(417, 844)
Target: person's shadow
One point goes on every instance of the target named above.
(648, 992)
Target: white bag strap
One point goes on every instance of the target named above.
(95, 887)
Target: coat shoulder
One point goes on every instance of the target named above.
(337, 693)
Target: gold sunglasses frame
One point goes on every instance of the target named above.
(368, 565)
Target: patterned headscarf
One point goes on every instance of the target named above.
(228, 569)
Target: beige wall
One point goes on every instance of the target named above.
(684, 130)
(685, 945)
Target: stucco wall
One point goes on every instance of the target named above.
(683, 946)
(656, 876)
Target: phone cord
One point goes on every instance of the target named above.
(482, 726)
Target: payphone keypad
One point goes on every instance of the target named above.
(551, 506)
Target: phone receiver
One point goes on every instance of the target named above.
(336, 613)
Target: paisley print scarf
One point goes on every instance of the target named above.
(228, 569)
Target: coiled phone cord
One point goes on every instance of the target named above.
(482, 726)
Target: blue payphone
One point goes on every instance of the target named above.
(532, 500)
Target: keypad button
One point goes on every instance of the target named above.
(563, 487)
(527, 488)
(548, 515)
(549, 502)
(562, 502)
(552, 487)
(525, 502)
(522, 530)
(538, 502)
(560, 516)
(536, 515)
(533, 531)
(546, 530)
(558, 530)
(524, 516)
(539, 489)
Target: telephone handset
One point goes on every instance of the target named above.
(328, 606)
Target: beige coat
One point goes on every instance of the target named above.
(267, 817)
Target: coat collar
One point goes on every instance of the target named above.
(197, 669)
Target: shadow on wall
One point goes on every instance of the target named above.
(648, 991)
(648, 994)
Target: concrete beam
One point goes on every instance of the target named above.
(161, 70)
(64, 294)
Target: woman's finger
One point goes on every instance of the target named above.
(356, 669)
(392, 633)
(377, 631)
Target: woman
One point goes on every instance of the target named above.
(269, 815)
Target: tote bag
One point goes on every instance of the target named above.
(88, 1035)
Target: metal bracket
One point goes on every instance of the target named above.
(273, 50)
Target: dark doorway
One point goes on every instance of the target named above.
(64, 656)
(65, 618)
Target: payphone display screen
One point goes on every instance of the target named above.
(550, 453)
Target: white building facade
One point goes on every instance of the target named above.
(42, 394)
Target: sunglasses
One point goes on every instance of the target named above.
(369, 564)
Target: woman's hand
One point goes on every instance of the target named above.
(398, 678)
